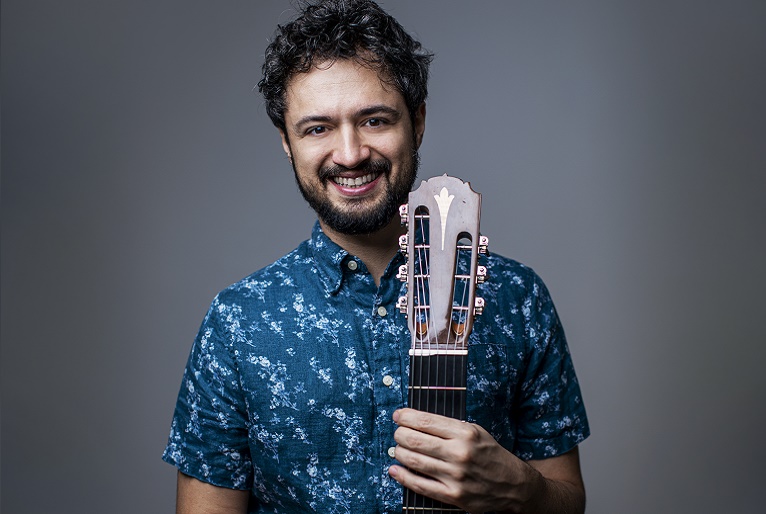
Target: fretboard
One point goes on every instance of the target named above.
(437, 385)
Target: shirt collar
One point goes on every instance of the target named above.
(328, 258)
(332, 261)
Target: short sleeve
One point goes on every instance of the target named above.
(208, 436)
(550, 415)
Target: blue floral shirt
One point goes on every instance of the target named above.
(297, 369)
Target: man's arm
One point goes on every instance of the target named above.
(196, 497)
(465, 466)
(564, 490)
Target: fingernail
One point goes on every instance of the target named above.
(396, 416)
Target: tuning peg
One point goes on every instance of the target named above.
(478, 306)
(484, 245)
(401, 304)
(402, 275)
(403, 210)
(481, 274)
(403, 243)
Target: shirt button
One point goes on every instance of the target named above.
(392, 452)
(382, 311)
(352, 265)
(388, 380)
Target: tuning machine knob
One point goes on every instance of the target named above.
(401, 304)
(403, 243)
(402, 275)
(481, 274)
(403, 213)
(483, 245)
(478, 305)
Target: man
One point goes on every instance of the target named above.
(294, 396)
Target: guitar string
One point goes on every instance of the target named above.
(422, 315)
(460, 370)
(414, 259)
(416, 313)
(427, 361)
(451, 320)
(425, 273)
(433, 360)
(446, 393)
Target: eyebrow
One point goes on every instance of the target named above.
(367, 111)
(310, 119)
(379, 109)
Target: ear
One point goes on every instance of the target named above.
(420, 124)
(286, 145)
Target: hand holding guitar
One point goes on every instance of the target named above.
(461, 464)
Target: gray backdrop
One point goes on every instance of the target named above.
(619, 146)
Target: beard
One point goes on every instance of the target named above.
(357, 216)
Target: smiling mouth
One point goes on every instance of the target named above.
(355, 182)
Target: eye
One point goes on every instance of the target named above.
(316, 131)
(376, 122)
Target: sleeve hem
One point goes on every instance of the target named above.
(539, 449)
(192, 467)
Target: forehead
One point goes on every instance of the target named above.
(339, 86)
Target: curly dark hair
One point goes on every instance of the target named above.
(329, 30)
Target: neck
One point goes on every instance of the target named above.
(375, 250)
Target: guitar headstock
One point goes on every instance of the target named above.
(443, 245)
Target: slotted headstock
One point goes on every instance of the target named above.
(443, 246)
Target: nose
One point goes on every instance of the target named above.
(351, 149)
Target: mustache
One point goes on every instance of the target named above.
(375, 166)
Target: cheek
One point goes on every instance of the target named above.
(395, 148)
(314, 153)
(305, 161)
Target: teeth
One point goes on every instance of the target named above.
(354, 182)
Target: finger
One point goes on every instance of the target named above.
(419, 484)
(434, 424)
(451, 451)
(428, 465)
(420, 442)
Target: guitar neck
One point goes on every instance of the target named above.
(438, 383)
(442, 244)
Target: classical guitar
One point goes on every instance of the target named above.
(442, 246)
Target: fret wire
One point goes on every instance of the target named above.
(441, 388)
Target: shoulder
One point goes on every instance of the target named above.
(280, 275)
(508, 277)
